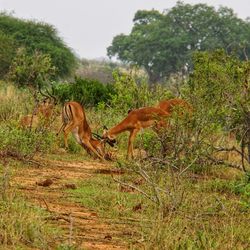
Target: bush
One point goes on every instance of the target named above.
(132, 91)
(31, 70)
(26, 143)
(87, 92)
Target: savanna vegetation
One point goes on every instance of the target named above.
(163, 43)
(188, 186)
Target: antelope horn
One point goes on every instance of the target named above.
(47, 94)
(97, 136)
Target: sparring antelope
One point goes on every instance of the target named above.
(136, 120)
(172, 104)
(74, 120)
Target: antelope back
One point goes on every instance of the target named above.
(73, 112)
(169, 105)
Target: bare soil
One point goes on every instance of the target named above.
(45, 186)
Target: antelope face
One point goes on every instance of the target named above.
(108, 138)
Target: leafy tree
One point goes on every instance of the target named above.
(38, 36)
(163, 43)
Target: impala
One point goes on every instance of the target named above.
(42, 113)
(136, 120)
(170, 105)
(74, 120)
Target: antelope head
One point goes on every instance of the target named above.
(107, 137)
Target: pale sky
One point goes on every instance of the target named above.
(88, 26)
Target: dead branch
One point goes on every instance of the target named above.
(222, 162)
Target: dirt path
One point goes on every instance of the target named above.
(82, 227)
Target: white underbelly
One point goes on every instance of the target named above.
(76, 135)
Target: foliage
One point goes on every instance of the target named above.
(42, 37)
(32, 71)
(22, 143)
(220, 90)
(163, 43)
(132, 92)
(7, 52)
(87, 92)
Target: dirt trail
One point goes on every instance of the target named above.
(88, 231)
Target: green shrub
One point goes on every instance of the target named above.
(87, 92)
(24, 142)
(133, 92)
(31, 70)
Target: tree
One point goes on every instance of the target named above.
(163, 43)
(38, 36)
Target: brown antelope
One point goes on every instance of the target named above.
(171, 104)
(42, 113)
(136, 120)
(74, 120)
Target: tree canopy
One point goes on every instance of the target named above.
(163, 43)
(35, 36)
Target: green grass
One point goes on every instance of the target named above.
(212, 215)
(105, 196)
(24, 226)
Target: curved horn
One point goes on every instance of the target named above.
(97, 136)
(47, 93)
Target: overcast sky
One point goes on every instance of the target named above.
(88, 26)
